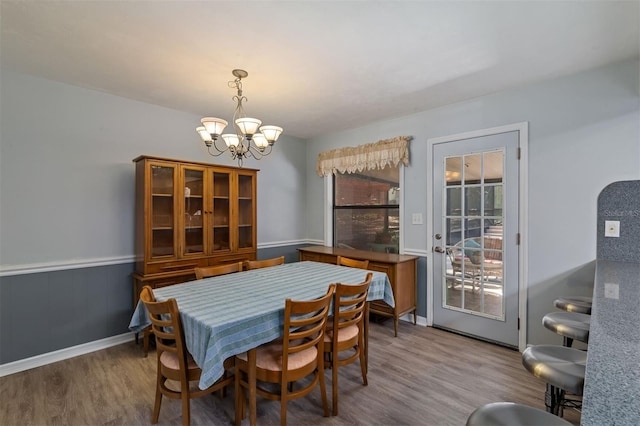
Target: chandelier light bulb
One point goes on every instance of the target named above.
(248, 126)
(215, 126)
(261, 141)
(271, 133)
(231, 139)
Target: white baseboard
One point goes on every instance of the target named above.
(62, 354)
(419, 320)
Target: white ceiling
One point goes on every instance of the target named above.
(313, 66)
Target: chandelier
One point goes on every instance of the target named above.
(246, 141)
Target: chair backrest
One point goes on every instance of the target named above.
(257, 264)
(304, 323)
(166, 325)
(353, 263)
(213, 271)
(471, 248)
(348, 306)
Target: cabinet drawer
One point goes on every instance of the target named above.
(178, 265)
(225, 260)
(316, 257)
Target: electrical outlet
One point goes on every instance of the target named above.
(416, 219)
(611, 291)
(612, 228)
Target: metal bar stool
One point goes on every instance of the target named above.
(570, 325)
(562, 369)
(512, 414)
(579, 304)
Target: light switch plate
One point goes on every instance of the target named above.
(611, 228)
(416, 219)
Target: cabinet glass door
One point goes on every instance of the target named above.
(193, 183)
(162, 211)
(221, 226)
(245, 211)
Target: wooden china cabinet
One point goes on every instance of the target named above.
(190, 214)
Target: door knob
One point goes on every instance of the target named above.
(438, 249)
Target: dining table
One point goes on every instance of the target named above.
(227, 315)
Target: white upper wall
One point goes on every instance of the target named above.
(67, 180)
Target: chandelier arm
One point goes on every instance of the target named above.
(256, 153)
(220, 151)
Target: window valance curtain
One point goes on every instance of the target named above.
(374, 155)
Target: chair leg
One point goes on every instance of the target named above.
(239, 394)
(156, 407)
(284, 393)
(334, 389)
(323, 389)
(363, 366)
(568, 342)
(186, 412)
(553, 400)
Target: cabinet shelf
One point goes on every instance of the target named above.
(157, 194)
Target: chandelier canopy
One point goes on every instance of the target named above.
(246, 141)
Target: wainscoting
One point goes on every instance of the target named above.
(59, 312)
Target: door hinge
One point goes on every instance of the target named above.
(518, 153)
(518, 323)
(518, 238)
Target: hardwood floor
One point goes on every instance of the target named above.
(424, 376)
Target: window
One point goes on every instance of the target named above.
(366, 211)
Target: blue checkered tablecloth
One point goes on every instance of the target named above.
(230, 314)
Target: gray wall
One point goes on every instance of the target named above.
(67, 192)
(67, 180)
(67, 206)
(583, 135)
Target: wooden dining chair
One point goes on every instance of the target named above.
(352, 263)
(256, 264)
(214, 271)
(297, 356)
(345, 332)
(174, 361)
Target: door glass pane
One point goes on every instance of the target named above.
(245, 211)
(472, 169)
(163, 219)
(453, 231)
(472, 201)
(493, 164)
(473, 265)
(193, 211)
(221, 211)
(454, 201)
(453, 171)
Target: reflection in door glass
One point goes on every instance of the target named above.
(473, 233)
(453, 171)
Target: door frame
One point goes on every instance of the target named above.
(523, 142)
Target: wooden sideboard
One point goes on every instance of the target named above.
(401, 270)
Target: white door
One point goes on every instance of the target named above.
(475, 236)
